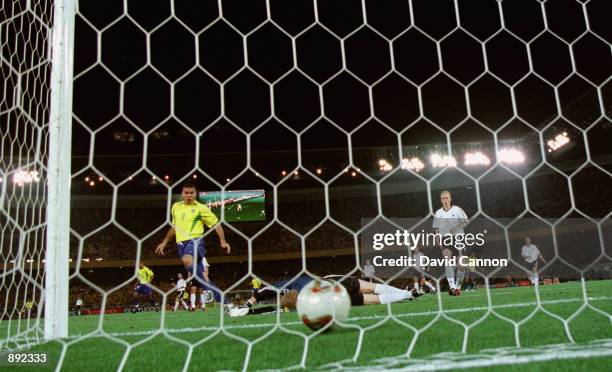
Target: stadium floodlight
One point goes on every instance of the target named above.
(510, 156)
(442, 161)
(22, 177)
(384, 166)
(476, 158)
(414, 164)
(558, 142)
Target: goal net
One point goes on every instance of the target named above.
(313, 130)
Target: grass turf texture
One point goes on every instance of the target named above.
(383, 336)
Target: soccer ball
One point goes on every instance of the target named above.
(320, 301)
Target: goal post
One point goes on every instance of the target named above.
(58, 171)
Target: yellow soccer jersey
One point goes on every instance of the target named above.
(189, 220)
(145, 275)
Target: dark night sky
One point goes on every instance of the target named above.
(216, 47)
(196, 85)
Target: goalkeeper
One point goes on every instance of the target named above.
(188, 220)
(360, 292)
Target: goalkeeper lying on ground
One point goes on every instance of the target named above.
(360, 292)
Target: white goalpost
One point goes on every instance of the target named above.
(58, 172)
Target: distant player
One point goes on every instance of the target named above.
(188, 220)
(181, 286)
(238, 207)
(368, 271)
(451, 219)
(78, 306)
(143, 288)
(360, 292)
(531, 253)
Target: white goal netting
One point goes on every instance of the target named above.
(341, 112)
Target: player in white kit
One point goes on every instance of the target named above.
(451, 219)
(181, 285)
(531, 253)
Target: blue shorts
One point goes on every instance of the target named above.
(143, 289)
(187, 247)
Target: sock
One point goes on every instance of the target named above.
(384, 288)
(192, 299)
(184, 304)
(388, 298)
(531, 278)
(450, 275)
(536, 279)
(416, 285)
(451, 282)
(431, 287)
(203, 299)
(460, 276)
(175, 305)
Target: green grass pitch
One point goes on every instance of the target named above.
(252, 210)
(371, 337)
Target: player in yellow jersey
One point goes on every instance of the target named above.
(189, 219)
(143, 287)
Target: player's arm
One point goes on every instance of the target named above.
(210, 220)
(221, 234)
(463, 222)
(541, 258)
(169, 235)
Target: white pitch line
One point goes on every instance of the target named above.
(543, 356)
(353, 319)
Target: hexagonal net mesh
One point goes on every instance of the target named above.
(349, 116)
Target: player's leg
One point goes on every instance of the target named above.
(150, 296)
(450, 271)
(179, 298)
(378, 293)
(536, 278)
(385, 298)
(192, 297)
(136, 298)
(461, 269)
(203, 298)
(354, 285)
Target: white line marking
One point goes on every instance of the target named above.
(489, 358)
